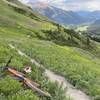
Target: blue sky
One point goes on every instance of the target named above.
(75, 5)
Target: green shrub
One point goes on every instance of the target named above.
(23, 95)
(9, 86)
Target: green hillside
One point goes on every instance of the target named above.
(94, 28)
(64, 51)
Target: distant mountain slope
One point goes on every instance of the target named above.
(94, 15)
(95, 28)
(56, 14)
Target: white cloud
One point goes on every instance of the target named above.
(24, 1)
(79, 4)
(74, 5)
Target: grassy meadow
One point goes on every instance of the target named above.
(63, 52)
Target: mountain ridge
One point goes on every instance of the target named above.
(58, 15)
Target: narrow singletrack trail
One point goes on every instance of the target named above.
(70, 90)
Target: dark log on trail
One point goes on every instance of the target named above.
(35, 89)
(28, 82)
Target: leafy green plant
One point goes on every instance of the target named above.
(9, 86)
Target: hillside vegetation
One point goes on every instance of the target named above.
(64, 51)
(95, 28)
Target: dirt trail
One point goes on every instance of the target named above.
(71, 91)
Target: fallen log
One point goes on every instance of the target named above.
(35, 89)
(28, 82)
(32, 82)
